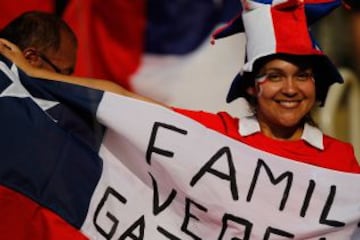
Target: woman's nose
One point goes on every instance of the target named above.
(289, 86)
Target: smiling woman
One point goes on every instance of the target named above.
(283, 96)
(283, 79)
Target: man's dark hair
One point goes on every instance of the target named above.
(37, 29)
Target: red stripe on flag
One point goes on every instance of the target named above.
(22, 218)
(111, 37)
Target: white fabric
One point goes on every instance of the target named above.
(220, 188)
(260, 33)
(199, 80)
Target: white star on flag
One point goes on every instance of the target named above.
(16, 89)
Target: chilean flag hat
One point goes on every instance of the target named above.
(280, 28)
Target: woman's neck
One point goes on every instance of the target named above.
(282, 132)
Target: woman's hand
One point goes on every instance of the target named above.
(14, 54)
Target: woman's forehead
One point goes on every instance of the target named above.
(285, 64)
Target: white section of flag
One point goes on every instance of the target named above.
(199, 80)
(125, 195)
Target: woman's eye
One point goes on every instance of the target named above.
(274, 77)
(304, 76)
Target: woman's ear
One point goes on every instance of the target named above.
(32, 56)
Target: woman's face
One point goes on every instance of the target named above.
(285, 94)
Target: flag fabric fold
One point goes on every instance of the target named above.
(160, 49)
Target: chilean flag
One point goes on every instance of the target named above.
(78, 163)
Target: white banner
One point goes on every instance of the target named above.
(168, 177)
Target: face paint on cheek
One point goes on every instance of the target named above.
(260, 81)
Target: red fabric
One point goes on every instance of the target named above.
(337, 155)
(318, 1)
(21, 218)
(13, 8)
(289, 40)
(111, 36)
